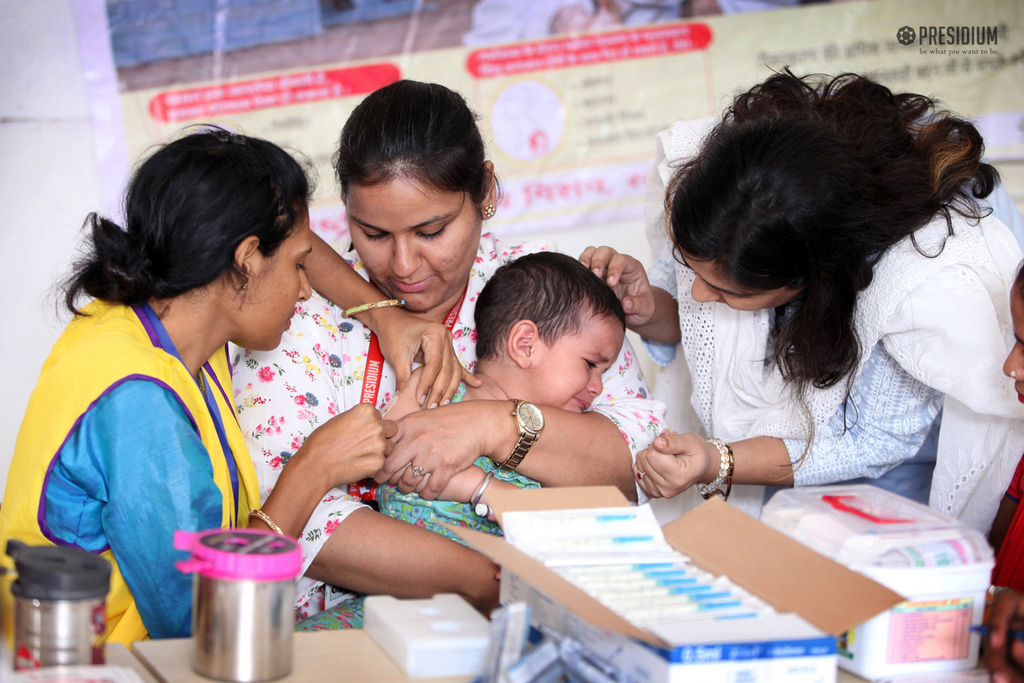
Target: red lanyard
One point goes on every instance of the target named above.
(375, 358)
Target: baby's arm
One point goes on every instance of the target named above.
(405, 401)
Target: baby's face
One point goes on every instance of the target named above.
(568, 375)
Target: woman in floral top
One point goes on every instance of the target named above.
(417, 187)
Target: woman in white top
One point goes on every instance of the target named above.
(838, 284)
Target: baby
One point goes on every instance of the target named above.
(547, 329)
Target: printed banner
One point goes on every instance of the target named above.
(569, 118)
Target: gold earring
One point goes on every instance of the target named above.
(489, 211)
(245, 286)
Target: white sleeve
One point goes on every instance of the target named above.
(662, 274)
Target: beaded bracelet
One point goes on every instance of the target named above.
(349, 312)
(725, 472)
(265, 518)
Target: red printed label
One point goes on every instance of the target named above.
(264, 93)
(931, 630)
(618, 46)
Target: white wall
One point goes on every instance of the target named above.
(48, 183)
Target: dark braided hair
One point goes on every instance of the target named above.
(187, 209)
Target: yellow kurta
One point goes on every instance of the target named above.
(95, 354)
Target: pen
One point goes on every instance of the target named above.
(983, 630)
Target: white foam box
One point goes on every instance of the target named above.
(945, 571)
(816, 599)
(442, 636)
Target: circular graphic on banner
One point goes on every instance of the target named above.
(906, 35)
(528, 120)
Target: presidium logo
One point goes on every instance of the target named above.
(949, 35)
(906, 35)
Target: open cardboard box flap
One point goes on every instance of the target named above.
(720, 539)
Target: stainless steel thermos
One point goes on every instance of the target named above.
(60, 605)
(242, 602)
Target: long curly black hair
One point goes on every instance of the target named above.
(806, 183)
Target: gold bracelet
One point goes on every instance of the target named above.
(349, 312)
(265, 518)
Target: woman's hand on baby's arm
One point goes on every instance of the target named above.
(349, 447)
(674, 463)
(444, 441)
(406, 339)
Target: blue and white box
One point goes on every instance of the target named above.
(795, 643)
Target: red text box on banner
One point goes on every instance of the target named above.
(617, 46)
(264, 93)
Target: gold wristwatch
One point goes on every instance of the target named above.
(530, 423)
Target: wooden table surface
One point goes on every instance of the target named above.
(320, 656)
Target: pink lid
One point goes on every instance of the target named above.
(239, 554)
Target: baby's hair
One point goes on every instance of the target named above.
(557, 292)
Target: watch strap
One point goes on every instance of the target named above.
(526, 440)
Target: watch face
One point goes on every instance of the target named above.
(531, 417)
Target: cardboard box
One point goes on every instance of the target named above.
(800, 584)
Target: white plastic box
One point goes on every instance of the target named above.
(942, 567)
(441, 636)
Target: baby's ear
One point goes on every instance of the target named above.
(523, 343)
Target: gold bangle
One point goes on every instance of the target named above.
(265, 518)
(349, 312)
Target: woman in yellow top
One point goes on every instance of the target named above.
(130, 433)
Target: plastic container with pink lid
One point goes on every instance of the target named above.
(242, 597)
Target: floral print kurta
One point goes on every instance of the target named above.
(317, 373)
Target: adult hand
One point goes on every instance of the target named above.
(674, 463)
(431, 446)
(627, 277)
(406, 339)
(350, 447)
(1004, 656)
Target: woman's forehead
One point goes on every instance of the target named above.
(404, 189)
